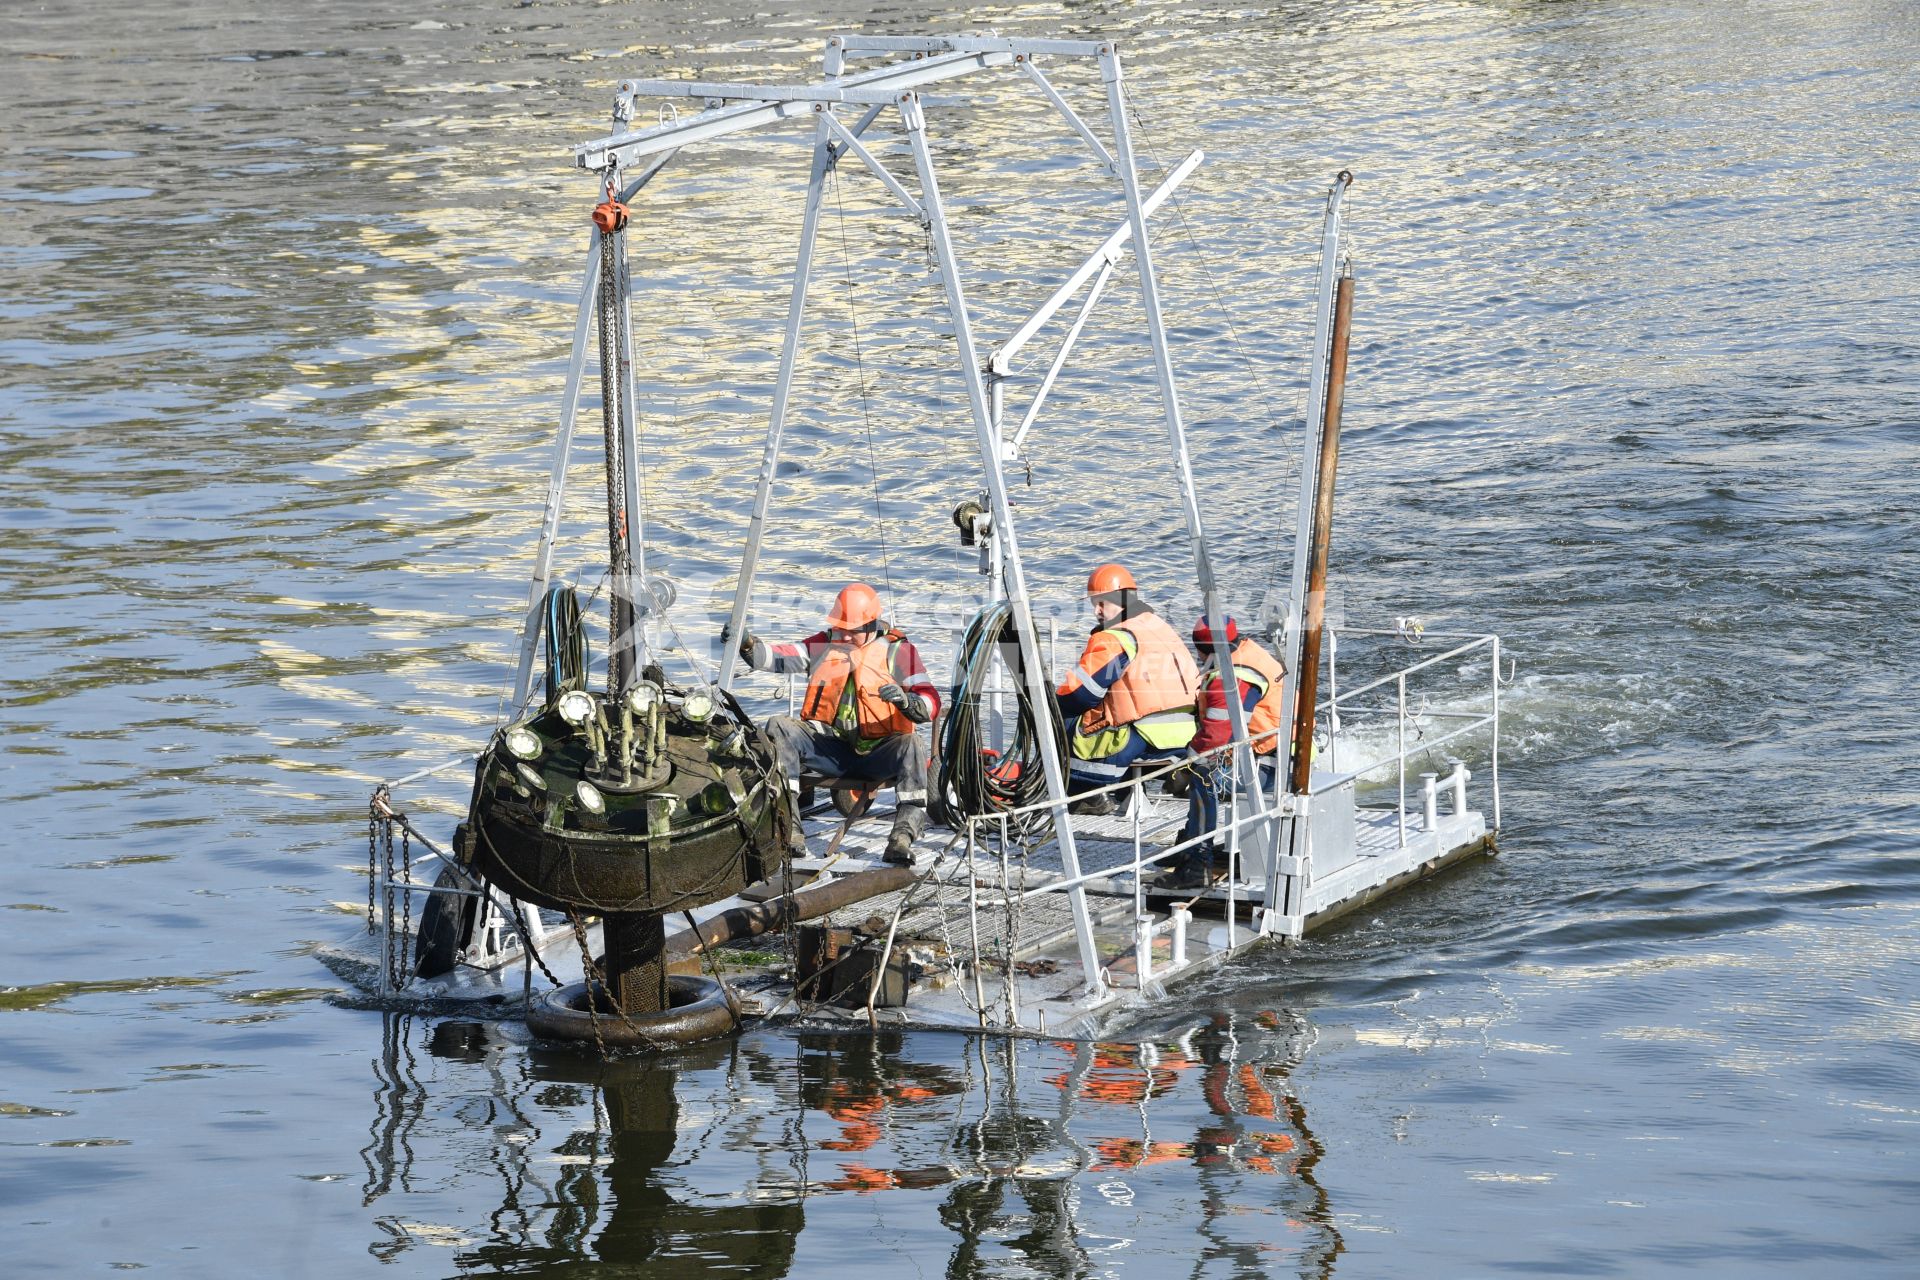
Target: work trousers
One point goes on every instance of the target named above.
(809, 747)
(1209, 788)
(1086, 775)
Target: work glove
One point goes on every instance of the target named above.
(747, 642)
(912, 705)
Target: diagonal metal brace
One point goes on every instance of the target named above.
(1073, 117)
(850, 143)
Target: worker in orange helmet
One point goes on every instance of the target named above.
(1132, 690)
(867, 691)
(1258, 676)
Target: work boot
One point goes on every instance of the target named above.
(1189, 873)
(908, 823)
(1095, 806)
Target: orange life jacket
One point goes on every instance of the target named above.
(843, 691)
(1160, 676)
(1253, 664)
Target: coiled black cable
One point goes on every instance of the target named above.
(971, 779)
(566, 647)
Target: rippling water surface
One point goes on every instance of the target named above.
(1634, 383)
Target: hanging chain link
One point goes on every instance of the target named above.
(403, 968)
(594, 980)
(373, 832)
(388, 945)
(526, 941)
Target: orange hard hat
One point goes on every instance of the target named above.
(857, 606)
(1108, 578)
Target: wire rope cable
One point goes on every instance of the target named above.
(866, 408)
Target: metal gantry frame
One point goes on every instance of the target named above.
(731, 108)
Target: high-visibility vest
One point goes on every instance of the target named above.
(1155, 694)
(843, 691)
(1253, 665)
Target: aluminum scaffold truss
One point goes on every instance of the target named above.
(842, 108)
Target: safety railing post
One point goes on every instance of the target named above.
(973, 919)
(1494, 776)
(1400, 683)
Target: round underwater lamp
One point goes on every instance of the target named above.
(575, 707)
(697, 707)
(531, 777)
(523, 742)
(589, 797)
(643, 697)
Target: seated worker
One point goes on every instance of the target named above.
(1132, 689)
(1259, 675)
(866, 692)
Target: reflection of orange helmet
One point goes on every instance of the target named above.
(857, 606)
(1108, 578)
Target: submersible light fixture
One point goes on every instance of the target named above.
(697, 707)
(641, 698)
(575, 707)
(523, 742)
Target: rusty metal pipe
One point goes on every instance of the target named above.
(1314, 625)
(808, 904)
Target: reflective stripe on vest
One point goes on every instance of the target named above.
(1157, 689)
(844, 692)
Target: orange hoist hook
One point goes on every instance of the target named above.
(610, 215)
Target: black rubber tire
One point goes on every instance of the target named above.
(701, 1011)
(446, 924)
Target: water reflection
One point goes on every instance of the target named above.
(1048, 1158)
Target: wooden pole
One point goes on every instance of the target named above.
(1313, 627)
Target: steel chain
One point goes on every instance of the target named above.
(526, 942)
(593, 978)
(402, 969)
(373, 871)
(386, 923)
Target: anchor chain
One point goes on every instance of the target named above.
(592, 972)
(386, 920)
(373, 830)
(401, 968)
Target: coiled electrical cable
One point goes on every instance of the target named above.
(973, 779)
(566, 647)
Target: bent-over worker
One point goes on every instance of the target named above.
(867, 691)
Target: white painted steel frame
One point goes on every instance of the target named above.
(823, 160)
(943, 58)
(1246, 768)
(722, 121)
(1018, 599)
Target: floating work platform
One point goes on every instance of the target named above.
(1021, 915)
(983, 932)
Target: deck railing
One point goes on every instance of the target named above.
(1240, 824)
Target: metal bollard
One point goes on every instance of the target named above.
(1430, 795)
(1181, 918)
(1459, 781)
(1143, 947)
